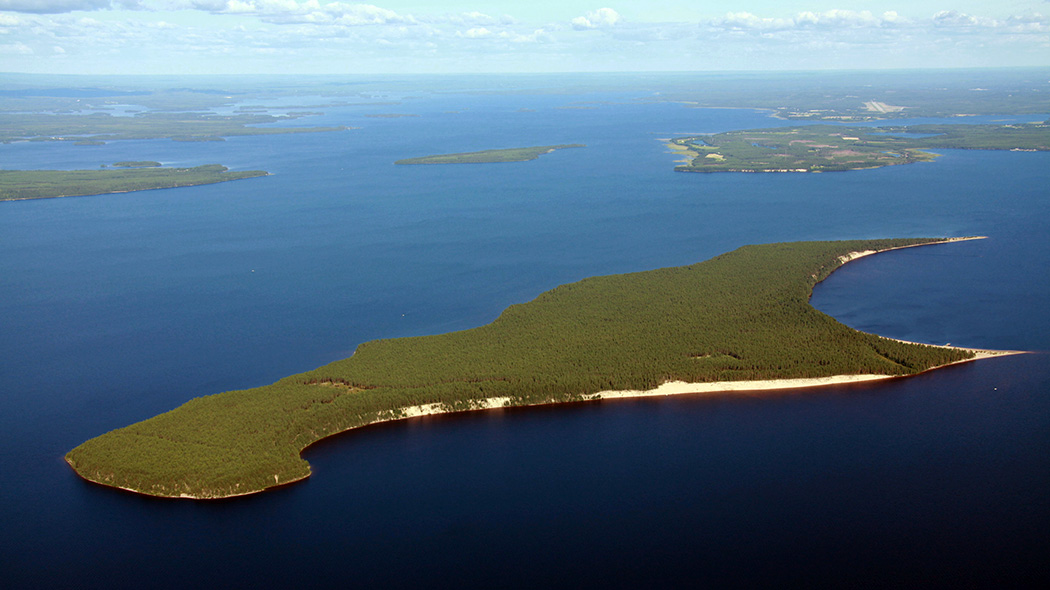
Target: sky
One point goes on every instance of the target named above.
(465, 36)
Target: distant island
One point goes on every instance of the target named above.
(827, 148)
(739, 321)
(136, 164)
(391, 115)
(129, 176)
(98, 128)
(491, 156)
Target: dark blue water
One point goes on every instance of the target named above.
(119, 307)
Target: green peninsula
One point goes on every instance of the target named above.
(17, 185)
(826, 148)
(739, 317)
(491, 156)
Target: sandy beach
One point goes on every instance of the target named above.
(855, 255)
(681, 387)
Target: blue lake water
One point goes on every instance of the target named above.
(116, 308)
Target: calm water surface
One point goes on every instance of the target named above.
(119, 307)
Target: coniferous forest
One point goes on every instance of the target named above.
(740, 316)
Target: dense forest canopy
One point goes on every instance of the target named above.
(741, 316)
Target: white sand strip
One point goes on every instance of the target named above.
(682, 387)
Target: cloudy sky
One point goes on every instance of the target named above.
(408, 36)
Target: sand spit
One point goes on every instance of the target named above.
(855, 255)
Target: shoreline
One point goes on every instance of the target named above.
(686, 388)
(855, 255)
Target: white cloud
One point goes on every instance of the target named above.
(89, 23)
(838, 38)
(830, 20)
(17, 48)
(1028, 23)
(845, 21)
(309, 12)
(537, 36)
(474, 17)
(952, 18)
(748, 21)
(891, 18)
(839, 19)
(60, 6)
(237, 35)
(500, 38)
(477, 33)
(206, 5)
(596, 19)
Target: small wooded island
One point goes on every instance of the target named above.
(490, 156)
(128, 176)
(726, 323)
(827, 148)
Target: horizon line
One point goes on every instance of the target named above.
(537, 73)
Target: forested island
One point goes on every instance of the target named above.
(136, 164)
(740, 317)
(128, 176)
(490, 156)
(827, 148)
